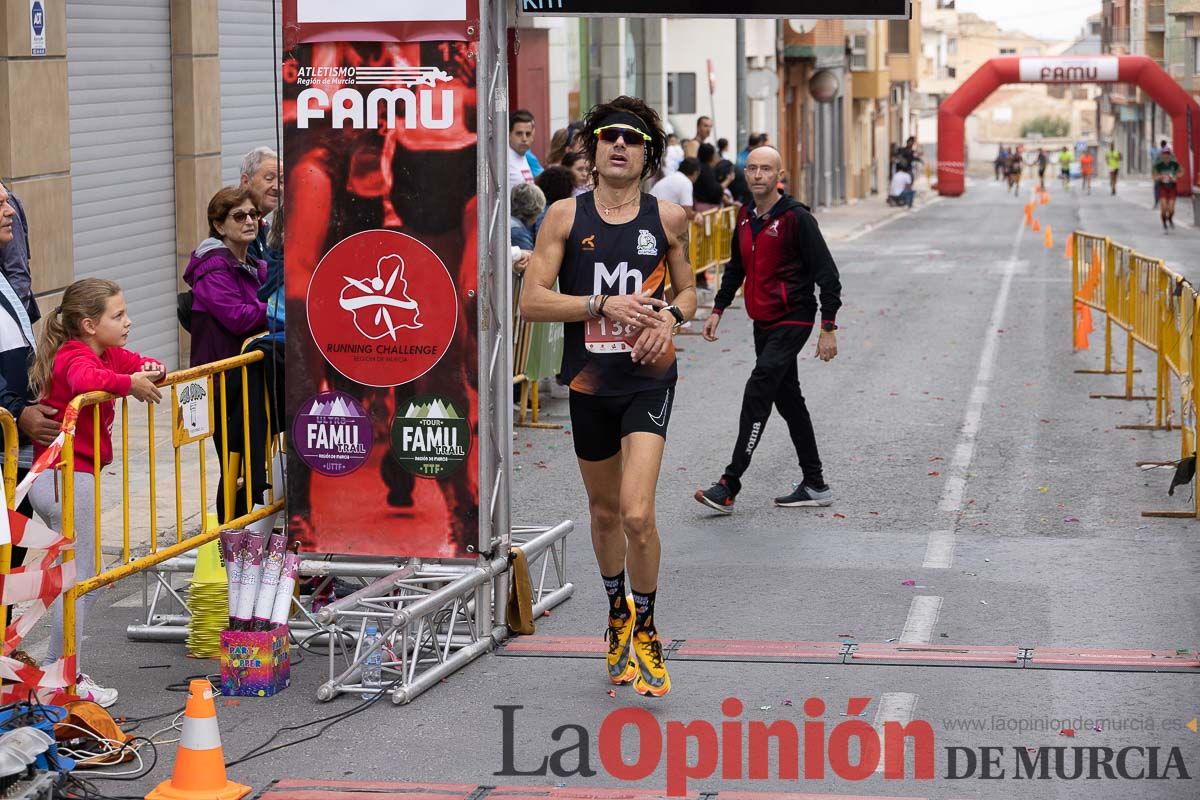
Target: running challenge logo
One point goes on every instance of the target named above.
(633, 744)
(382, 307)
(407, 94)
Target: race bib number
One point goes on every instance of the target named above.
(606, 336)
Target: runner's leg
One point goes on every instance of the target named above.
(642, 453)
(791, 405)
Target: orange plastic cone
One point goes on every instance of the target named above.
(1036, 226)
(1045, 198)
(1069, 253)
(199, 763)
(1084, 326)
(1049, 238)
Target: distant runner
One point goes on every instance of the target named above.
(1166, 173)
(1113, 157)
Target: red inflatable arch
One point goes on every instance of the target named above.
(1140, 70)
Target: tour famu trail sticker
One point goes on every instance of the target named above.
(332, 434)
(430, 438)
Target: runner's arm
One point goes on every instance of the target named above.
(540, 301)
(814, 252)
(731, 277)
(683, 279)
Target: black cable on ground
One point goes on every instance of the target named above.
(330, 722)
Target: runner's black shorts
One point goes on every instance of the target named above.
(600, 422)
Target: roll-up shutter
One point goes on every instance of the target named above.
(122, 159)
(249, 73)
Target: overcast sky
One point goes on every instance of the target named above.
(1049, 19)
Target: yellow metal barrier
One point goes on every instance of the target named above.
(186, 434)
(11, 449)
(1158, 309)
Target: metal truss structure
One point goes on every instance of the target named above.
(428, 614)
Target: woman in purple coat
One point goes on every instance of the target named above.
(225, 305)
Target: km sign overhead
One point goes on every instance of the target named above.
(826, 9)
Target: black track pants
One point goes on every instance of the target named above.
(775, 381)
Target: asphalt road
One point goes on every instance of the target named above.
(965, 457)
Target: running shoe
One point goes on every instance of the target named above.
(717, 497)
(804, 495)
(621, 669)
(652, 679)
(88, 689)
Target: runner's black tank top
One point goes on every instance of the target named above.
(605, 258)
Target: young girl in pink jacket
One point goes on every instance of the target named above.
(81, 349)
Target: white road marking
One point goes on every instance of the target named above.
(939, 553)
(922, 617)
(956, 472)
(893, 707)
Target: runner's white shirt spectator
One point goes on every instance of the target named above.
(675, 187)
(900, 181)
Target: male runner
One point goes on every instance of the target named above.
(780, 254)
(1113, 157)
(1166, 170)
(1064, 167)
(611, 250)
(1087, 166)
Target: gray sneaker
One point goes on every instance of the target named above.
(805, 496)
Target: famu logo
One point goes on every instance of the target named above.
(430, 438)
(424, 107)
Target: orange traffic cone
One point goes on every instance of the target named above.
(199, 763)
(1037, 226)
(1045, 198)
(1049, 238)
(1083, 325)
(1070, 251)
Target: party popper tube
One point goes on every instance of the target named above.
(254, 545)
(283, 592)
(272, 568)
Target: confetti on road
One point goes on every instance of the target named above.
(908, 583)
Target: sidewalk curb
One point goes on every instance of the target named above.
(896, 213)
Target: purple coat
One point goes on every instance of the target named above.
(225, 309)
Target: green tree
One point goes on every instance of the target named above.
(1050, 127)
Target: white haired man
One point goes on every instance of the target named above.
(260, 173)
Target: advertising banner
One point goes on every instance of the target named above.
(381, 277)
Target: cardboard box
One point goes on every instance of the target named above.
(255, 663)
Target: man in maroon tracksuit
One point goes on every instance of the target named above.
(779, 253)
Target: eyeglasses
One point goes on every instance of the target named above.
(611, 133)
(239, 216)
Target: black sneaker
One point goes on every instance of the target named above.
(717, 497)
(804, 495)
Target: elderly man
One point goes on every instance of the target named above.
(260, 173)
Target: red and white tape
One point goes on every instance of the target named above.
(39, 583)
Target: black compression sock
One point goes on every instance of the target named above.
(644, 605)
(614, 587)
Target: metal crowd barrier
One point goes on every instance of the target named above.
(529, 404)
(1157, 308)
(189, 393)
(11, 448)
(711, 239)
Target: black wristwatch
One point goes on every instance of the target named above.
(829, 327)
(677, 314)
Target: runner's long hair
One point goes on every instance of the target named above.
(632, 105)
